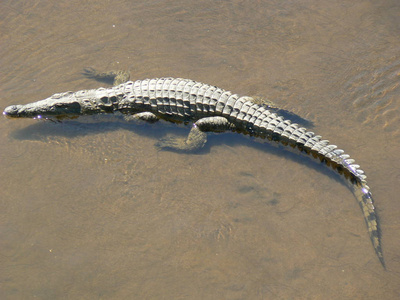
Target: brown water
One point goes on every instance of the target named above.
(93, 211)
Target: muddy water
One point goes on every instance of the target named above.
(91, 210)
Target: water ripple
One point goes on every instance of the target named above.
(375, 94)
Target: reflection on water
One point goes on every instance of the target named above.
(90, 209)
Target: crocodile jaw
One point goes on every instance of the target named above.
(45, 109)
(12, 111)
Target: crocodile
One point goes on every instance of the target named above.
(206, 108)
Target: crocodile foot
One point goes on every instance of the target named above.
(111, 77)
(195, 141)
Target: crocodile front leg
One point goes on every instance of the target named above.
(111, 77)
(197, 136)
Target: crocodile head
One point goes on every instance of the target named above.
(58, 106)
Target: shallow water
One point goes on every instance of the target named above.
(90, 209)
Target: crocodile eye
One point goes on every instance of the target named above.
(71, 108)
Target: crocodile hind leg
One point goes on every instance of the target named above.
(111, 77)
(197, 136)
(194, 141)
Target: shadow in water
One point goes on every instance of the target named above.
(91, 125)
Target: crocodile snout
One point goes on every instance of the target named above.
(12, 111)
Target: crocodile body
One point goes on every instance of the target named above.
(207, 108)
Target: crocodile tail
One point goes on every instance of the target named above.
(298, 137)
(364, 198)
(356, 179)
(344, 165)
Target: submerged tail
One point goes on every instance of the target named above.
(364, 198)
(278, 129)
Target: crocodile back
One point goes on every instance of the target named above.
(172, 98)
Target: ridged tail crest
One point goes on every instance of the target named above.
(274, 127)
